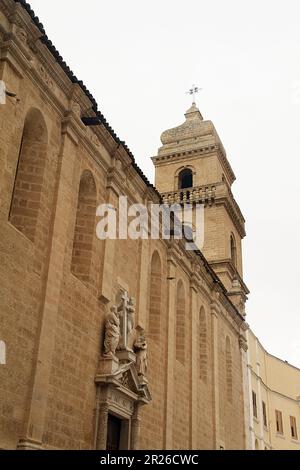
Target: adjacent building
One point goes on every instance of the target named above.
(274, 394)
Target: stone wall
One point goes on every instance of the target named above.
(57, 279)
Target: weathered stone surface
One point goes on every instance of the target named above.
(57, 278)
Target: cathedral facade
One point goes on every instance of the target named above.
(110, 344)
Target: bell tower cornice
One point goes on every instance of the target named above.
(192, 168)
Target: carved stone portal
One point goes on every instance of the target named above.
(122, 386)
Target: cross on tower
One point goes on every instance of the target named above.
(192, 91)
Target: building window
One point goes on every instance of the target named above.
(26, 203)
(264, 411)
(84, 228)
(180, 323)
(293, 427)
(279, 423)
(185, 179)
(228, 370)
(254, 403)
(155, 297)
(203, 346)
(233, 250)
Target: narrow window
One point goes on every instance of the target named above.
(233, 250)
(185, 179)
(228, 370)
(84, 228)
(180, 323)
(202, 346)
(254, 403)
(264, 410)
(279, 423)
(155, 297)
(27, 192)
(293, 427)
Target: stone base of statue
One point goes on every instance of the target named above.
(29, 444)
(143, 381)
(126, 355)
(108, 365)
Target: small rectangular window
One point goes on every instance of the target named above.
(279, 423)
(264, 410)
(254, 402)
(293, 427)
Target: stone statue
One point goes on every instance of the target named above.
(141, 351)
(130, 322)
(126, 311)
(112, 332)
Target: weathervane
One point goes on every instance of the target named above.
(193, 92)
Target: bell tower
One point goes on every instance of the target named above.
(192, 167)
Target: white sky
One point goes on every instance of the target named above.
(138, 59)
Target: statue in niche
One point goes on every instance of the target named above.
(112, 333)
(126, 311)
(141, 351)
(130, 322)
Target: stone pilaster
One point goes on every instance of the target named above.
(215, 378)
(168, 444)
(107, 275)
(102, 427)
(194, 365)
(143, 284)
(246, 385)
(135, 428)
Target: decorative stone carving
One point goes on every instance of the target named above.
(95, 139)
(121, 375)
(141, 351)
(21, 35)
(112, 333)
(126, 310)
(243, 343)
(125, 379)
(45, 76)
(76, 108)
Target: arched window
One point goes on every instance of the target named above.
(84, 227)
(202, 346)
(180, 323)
(233, 250)
(228, 369)
(26, 197)
(185, 179)
(155, 297)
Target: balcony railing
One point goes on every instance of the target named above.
(201, 194)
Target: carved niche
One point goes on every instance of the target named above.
(121, 379)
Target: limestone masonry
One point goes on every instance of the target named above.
(110, 344)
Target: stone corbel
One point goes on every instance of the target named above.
(243, 343)
(29, 444)
(214, 305)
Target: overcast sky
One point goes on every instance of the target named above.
(139, 57)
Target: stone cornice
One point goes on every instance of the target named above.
(229, 267)
(205, 151)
